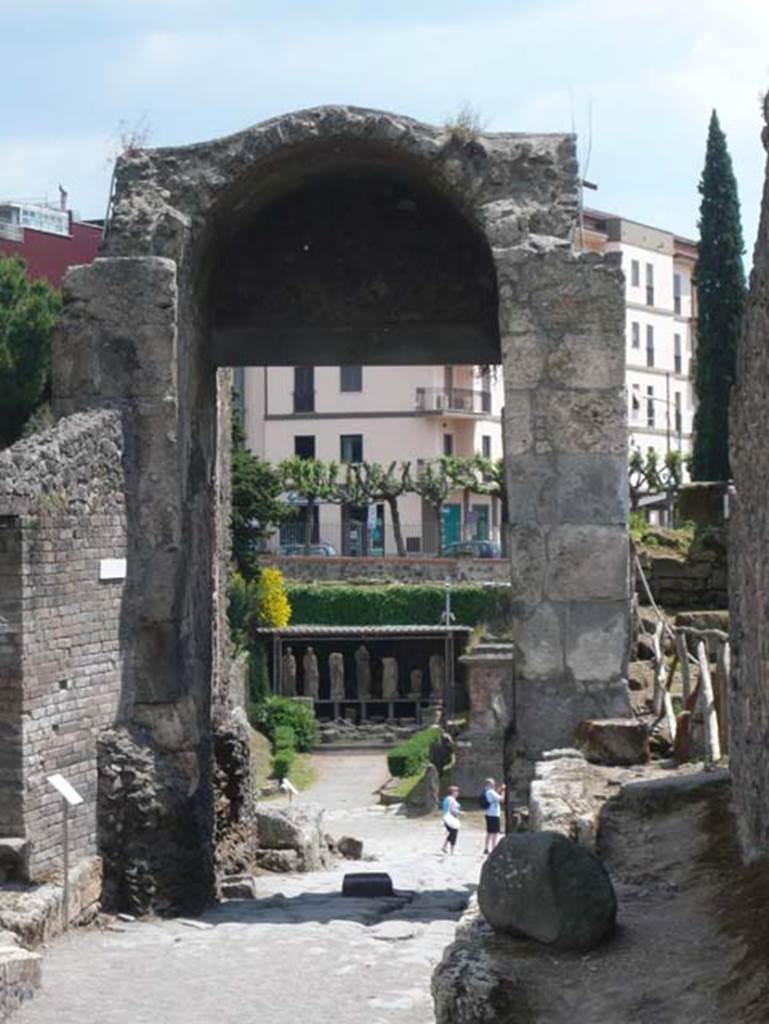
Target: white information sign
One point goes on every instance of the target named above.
(112, 568)
(65, 789)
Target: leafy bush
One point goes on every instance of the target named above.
(282, 763)
(273, 607)
(258, 672)
(410, 757)
(285, 738)
(276, 711)
(398, 604)
(242, 607)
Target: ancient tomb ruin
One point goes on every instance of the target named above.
(334, 235)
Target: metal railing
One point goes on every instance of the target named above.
(464, 400)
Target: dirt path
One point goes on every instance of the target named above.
(299, 952)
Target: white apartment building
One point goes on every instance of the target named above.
(379, 414)
(660, 303)
(418, 413)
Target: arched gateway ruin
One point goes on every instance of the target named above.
(329, 236)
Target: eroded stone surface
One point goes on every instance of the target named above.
(549, 888)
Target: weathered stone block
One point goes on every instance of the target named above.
(548, 711)
(585, 421)
(517, 423)
(350, 848)
(548, 888)
(587, 360)
(614, 741)
(528, 562)
(597, 635)
(592, 489)
(118, 334)
(539, 641)
(587, 562)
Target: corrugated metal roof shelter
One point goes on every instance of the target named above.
(450, 636)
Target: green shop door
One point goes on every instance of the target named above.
(480, 514)
(452, 524)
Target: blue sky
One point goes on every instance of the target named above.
(193, 69)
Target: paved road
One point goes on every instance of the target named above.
(300, 952)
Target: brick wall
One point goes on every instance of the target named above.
(11, 819)
(62, 510)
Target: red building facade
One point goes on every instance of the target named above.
(48, 239)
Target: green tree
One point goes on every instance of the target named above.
(491, 480)
(314, 481)
(720, 280)
(257, 504)
(375, 483)
(646, 475)
(28, 312)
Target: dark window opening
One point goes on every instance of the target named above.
(304, 446)
(304, 389)
(350, 378)
(351, 447)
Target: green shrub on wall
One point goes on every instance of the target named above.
(398, 604)
(411, 757)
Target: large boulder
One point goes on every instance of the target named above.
(613, 741)
(297, 827)
(544, 886)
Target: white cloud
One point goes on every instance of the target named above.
(33, 169)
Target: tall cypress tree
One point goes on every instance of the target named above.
(720, 281)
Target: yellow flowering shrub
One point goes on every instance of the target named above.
(273, 606)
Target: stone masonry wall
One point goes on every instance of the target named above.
(749, 554)
(695, 582)
(61, 503)
(403, 570)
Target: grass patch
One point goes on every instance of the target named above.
(406, 786)
(261, 752)
(303, 772)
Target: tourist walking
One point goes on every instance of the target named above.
(451, 812)
(491, 805)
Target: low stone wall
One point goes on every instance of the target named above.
(697, 581)
(401, 570)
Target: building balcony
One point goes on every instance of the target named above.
(453, 401)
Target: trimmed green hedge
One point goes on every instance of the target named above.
(411, 757)
(397, 604)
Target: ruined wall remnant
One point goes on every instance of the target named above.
(61, 512)
(181, 292)
(749, 554)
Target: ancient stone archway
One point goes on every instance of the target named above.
(345, 235)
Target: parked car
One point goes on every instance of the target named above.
(472, 549)
(322, 549)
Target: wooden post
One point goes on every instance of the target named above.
(660, 671)
(683, 657)
(708, 706)
(723, 677)
(65, 862)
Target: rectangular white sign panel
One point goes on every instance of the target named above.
(112, 568)
(65, 789)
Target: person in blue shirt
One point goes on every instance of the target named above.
(451, 812)
(493, 796)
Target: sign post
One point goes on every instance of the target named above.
(69, 798)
